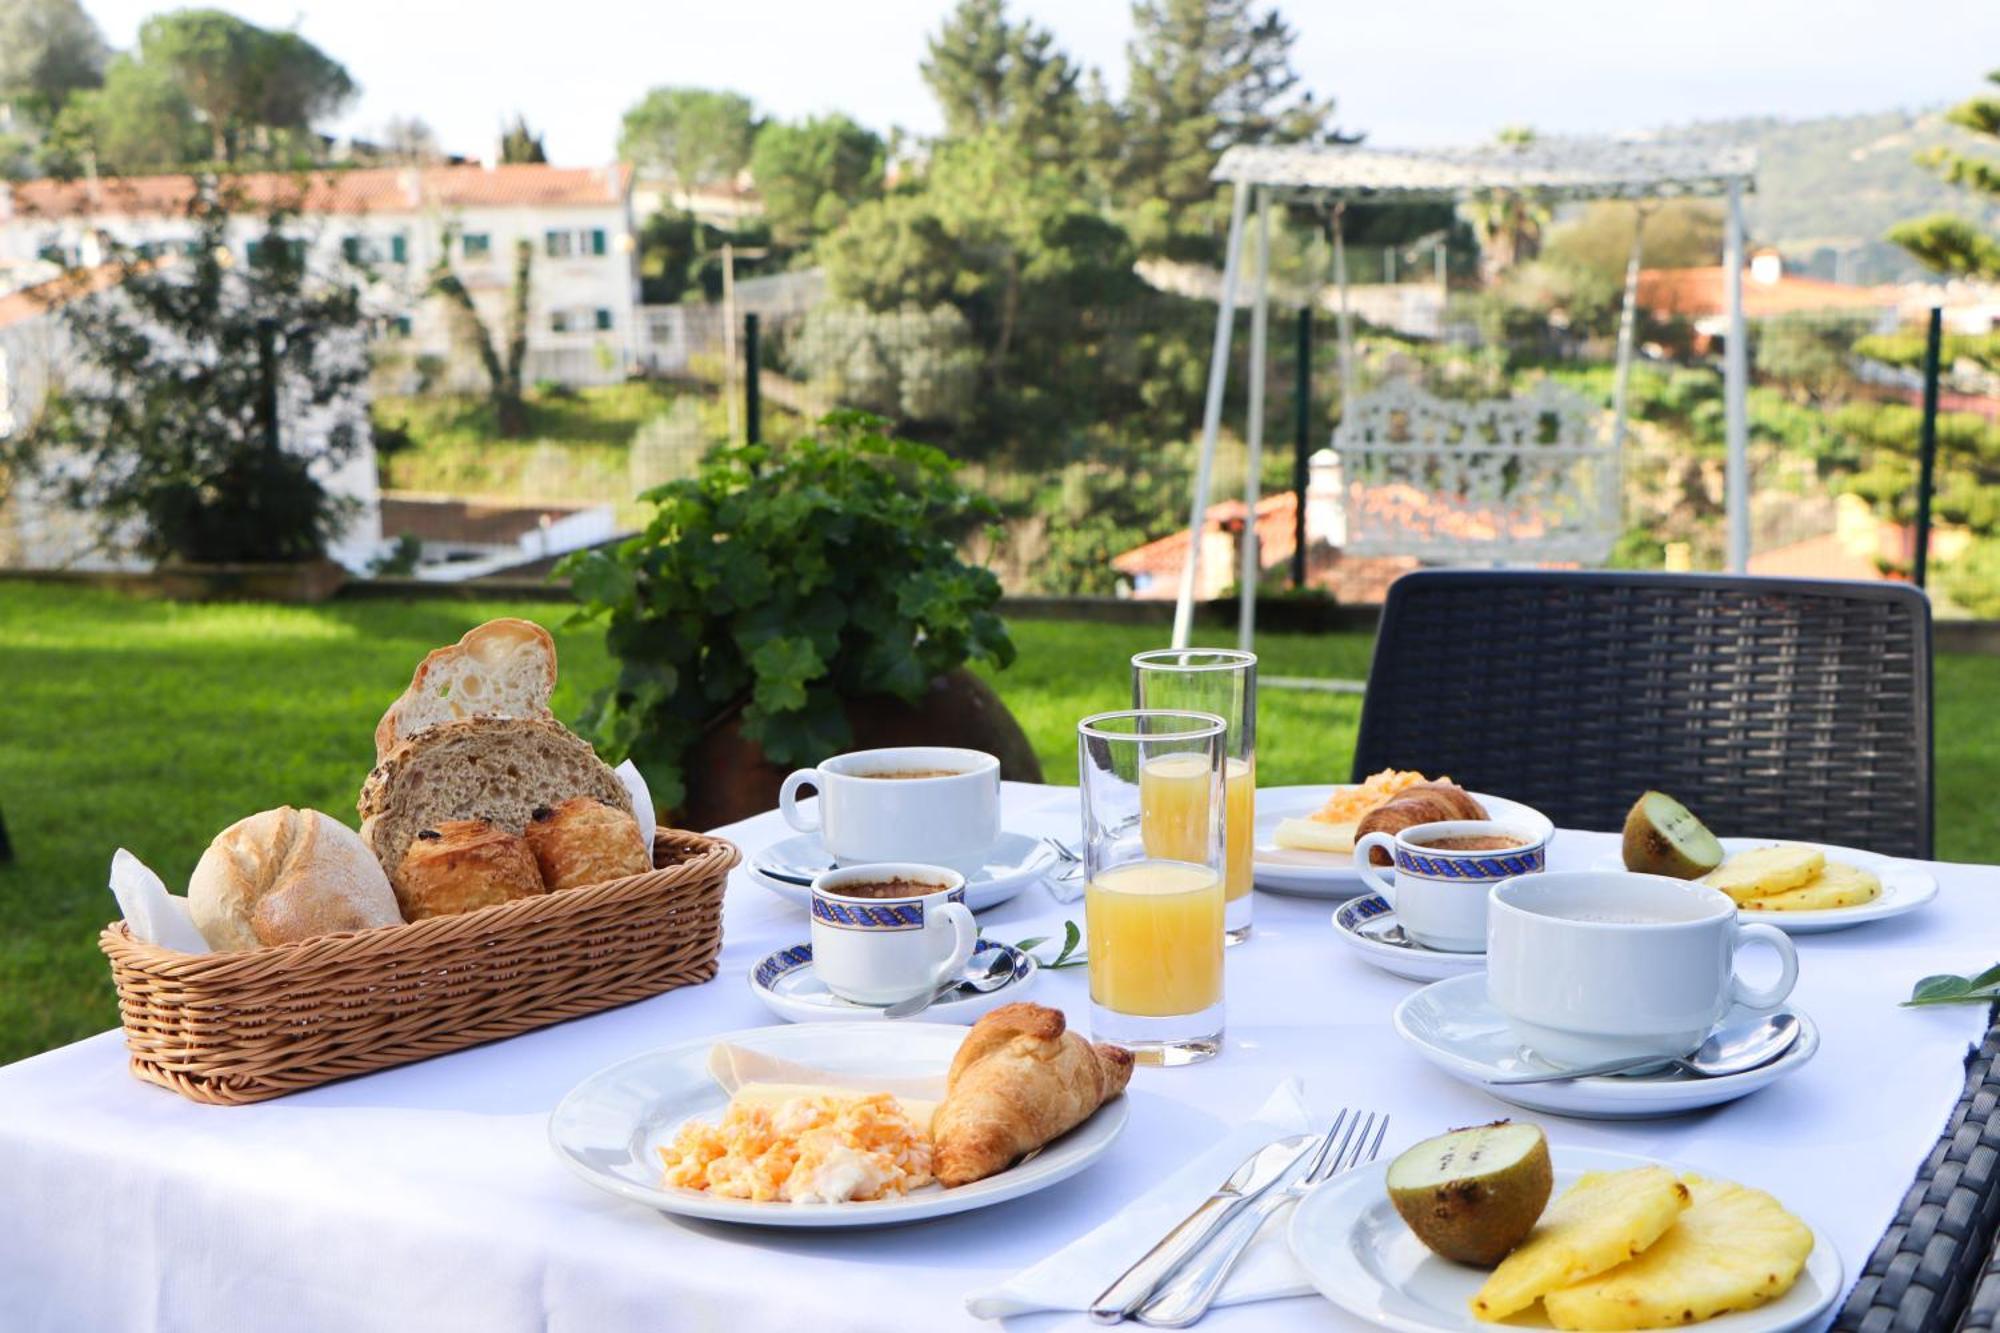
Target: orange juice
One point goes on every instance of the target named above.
(1155, 938)
(1173, 810)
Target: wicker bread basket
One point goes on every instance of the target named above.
(230, 1028)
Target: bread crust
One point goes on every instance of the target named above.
(1423, 803)
(495, 641)
(462, 865)
(1019, 1080)
(584, 841)
(286, 875)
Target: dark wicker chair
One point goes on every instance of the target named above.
(1792, 708)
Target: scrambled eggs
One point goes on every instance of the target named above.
(810, 1149)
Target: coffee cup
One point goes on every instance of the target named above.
(890, 930)
(1443, 872)
(924, 803)
(1591, 966)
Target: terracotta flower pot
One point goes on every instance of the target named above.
(729, 778)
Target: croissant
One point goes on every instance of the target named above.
(1424, 803)
(1018, 1081)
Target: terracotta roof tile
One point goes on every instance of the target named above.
(1694, 292)
(360, 190)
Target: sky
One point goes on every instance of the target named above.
(1407, 72)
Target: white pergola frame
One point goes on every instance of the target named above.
(1549, 169)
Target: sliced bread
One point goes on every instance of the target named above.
(504, 668)
(493, 768)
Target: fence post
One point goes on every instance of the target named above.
(1927, 442)
(1302, 435)
(753, 402)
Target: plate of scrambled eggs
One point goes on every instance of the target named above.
(823, 1125)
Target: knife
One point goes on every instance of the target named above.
(1257, 1173)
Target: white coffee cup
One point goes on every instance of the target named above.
(1592, 965)
(875, 950)
(1439, 893)
(952, 819)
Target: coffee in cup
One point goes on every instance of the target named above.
(1443, 872)
(885, 932)
(924, 803)
(1591, 966)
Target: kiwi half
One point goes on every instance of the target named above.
(1474, 1194)
(1663, 838)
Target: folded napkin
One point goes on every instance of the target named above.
(1063, 890)
(642, 801)
(153, 914)
(1078, 1273)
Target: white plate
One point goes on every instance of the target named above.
(1332, 874)
(607, 1128)
(1454, 1026)
(1369, 926)
(787, 985)
(1360, 1255)
(1015, 862)
(1905, 887)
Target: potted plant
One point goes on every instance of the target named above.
(789, 603)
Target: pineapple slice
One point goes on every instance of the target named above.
(1764, 871)
(1602, 1220)
(1733, 1249)
(1837, 885)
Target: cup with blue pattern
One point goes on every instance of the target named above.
(1444, 874)
(889, 930)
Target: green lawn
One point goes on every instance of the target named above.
(152, 725)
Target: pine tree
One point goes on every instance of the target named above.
(989, 74)
(521, 146)
(1946, 243)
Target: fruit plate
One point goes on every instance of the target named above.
(1453, 1025)
(1332, 874)
(607, 1128)
(1905, 887)
(1358, 1253)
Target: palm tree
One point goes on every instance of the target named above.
(1509, 223)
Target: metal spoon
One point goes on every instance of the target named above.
(976, 980)
(1734, 1049)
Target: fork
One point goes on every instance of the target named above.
(1186, 1297)
(1066, 856)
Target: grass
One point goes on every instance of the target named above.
(152, 725)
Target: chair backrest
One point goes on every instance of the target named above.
(1775, 708)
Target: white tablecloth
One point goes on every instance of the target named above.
(426, 1196)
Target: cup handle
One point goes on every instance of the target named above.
(1764, 997)
(788, 799)
(1364, 863)
(965, 938)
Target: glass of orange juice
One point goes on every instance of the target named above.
(1223, 682)
(1153, 880)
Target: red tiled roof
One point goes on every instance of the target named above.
(1276, 530)
(1694, 292)
(31, 302)
(360, 190)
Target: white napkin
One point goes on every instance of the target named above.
(1078, 1273)
(154, 915)
(1063, 890)
(642, 801)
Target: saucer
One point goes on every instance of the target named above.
(1454, 1026)
(1905, 887)
(1369, 925)
(1015, 862)
(789, 988)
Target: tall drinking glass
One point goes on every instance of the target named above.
(1223, 682)
(1154, 913)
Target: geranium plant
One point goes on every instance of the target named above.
(779, 583)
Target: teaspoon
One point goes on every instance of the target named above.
(1734, 1049)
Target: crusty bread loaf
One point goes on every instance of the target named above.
(287, 875)
(504, 668)
(494, 768)
(463, 864)
(584, 841)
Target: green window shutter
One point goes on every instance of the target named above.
(477, 245)
(603, 317)
(557, 323)
(399, 249)
(552, 244)
(350, 249)
(597, 241)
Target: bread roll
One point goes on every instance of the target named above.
(461, 865)
(287, 875)
(584, 841)
(504, 668)
(493, 768)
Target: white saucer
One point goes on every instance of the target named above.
(1359, 1254)
(1369, 926)
(787, 985)
(1332, 874)
(1454, 1026)
(1015, 862)
(1905, 887)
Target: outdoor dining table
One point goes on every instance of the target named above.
(427, 1196)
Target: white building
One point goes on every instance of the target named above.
(583, 289)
